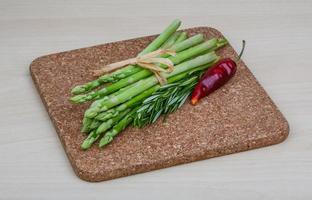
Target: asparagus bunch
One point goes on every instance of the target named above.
(117, 104)
(143, 73)
(144, 84)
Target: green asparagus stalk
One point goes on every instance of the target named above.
(110, 113)
(120, 126)
(170, 30)
(181, 38)
(180, 57)
(147, 83)
(221, 42)
(188, 43)
(95, 124)
(86, 123)
(194, 51)
(162, 37)
(129, 70)
(90, 125)
(173, 38)
(95, 134)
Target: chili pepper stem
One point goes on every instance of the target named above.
(242, 51)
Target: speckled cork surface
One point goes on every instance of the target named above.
(238, 117)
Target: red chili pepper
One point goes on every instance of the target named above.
(215, 77)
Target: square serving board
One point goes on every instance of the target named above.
(237, 117)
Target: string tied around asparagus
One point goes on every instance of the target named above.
(150, 61)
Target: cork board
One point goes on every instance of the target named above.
(239, 116)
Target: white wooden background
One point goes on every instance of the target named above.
(279, 47)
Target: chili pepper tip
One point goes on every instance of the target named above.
(194, 101)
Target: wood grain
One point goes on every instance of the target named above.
(278, 34)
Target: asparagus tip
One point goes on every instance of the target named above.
(78, 90)
(178, 21)
(76, 99)
(84, 129)
(86, 145)
(91, 113)
(105, 140)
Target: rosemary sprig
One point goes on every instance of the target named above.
(165, 100)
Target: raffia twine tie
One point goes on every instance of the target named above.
(150, 61)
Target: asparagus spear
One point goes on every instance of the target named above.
(147, 83)
(129, 70)
(95, 124)
(171, 40)
(187, 43)
(120, 126)
(95, 134)
(180, 57)
(86, 123)
(181, 38)
(171, 29)
(162, 37)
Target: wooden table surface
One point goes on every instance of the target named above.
(33, 164)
